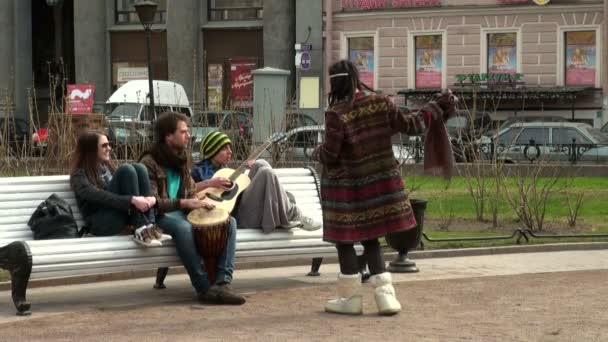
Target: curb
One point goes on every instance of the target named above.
(248, 264)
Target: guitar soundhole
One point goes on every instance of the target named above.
(230, 193)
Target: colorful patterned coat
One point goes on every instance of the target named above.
(362, 192)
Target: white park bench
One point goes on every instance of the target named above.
(27, 259)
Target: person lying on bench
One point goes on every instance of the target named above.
(110, 199)
(264, 203)
(168, 165)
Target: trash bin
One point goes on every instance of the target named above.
(407, 240)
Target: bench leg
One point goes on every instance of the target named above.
(161, 273)
(17, 259)
(314, 267)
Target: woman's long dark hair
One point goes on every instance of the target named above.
(85, 157)
(344, 87)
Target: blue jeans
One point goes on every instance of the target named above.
(175, 224)
(128, 179)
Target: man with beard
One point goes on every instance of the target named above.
(168, 165)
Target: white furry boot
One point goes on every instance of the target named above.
(384, 293)
(349, 300)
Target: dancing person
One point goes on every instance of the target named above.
(265, 203)
(168, 165)
(362, 194)
(110, 198)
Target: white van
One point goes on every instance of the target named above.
(130, 102)
(128, 124)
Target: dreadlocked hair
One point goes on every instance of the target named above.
(343, 88)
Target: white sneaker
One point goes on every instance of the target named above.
(143, 236)
(309, 224)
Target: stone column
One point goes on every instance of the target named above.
(605, 66)
(183, 32)
(279, 37)
(7, 51)
(90, 45)
(22, 14)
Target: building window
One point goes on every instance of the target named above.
(125, 12)
(429, 61)
(580, 54)
(235, 10)
(361, 53)
(502, 53)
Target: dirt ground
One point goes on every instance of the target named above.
(569, 306)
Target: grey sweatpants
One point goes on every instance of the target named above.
(265, 203)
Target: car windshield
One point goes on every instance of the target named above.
(129, 110)
(598, 135)
(206, 119)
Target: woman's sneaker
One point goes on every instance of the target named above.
(308, 223)
(157, 233)
(144, 236)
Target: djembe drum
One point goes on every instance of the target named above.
(210, 232)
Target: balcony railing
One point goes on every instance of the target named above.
(235, 13)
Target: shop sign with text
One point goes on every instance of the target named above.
(387, 4)
(489, 78)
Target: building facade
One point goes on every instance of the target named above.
(416, 45)
(208, 46)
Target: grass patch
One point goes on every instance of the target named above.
(445, 197)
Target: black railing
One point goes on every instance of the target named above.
(519, 153)
(518, 234)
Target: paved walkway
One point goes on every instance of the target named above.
(58, 300)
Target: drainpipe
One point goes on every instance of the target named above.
(328, 43)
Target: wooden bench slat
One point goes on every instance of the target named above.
(40, 196)
(104, 263)
(35, 188)
(33, 204)
(61, 179)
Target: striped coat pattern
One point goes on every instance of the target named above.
(362, 192)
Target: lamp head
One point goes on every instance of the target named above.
(146, 11)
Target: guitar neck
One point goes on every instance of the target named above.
(256, 153)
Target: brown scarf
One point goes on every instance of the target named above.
(438, 155)
(167, 158)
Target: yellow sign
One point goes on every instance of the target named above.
(541, 2)
(309, 92)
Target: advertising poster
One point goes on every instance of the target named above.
(241, 82)
(502, 53)
(80, 98)
(361, 54)
(428, 61)
(580, 58)
(215, 77)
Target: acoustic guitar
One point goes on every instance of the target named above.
(226, 199)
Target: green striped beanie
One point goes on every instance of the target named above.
(213, 143)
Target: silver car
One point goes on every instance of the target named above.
(551, 141)
(298, 144)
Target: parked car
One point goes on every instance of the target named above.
(298, 144)
(551, 141)
(14, 133)
(465, 131)
(530, 118)
(237, 125)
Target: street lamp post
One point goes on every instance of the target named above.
(146, 10)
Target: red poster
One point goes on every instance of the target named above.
(241, 84)
(80, 98)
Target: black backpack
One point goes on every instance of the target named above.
(53, 219)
